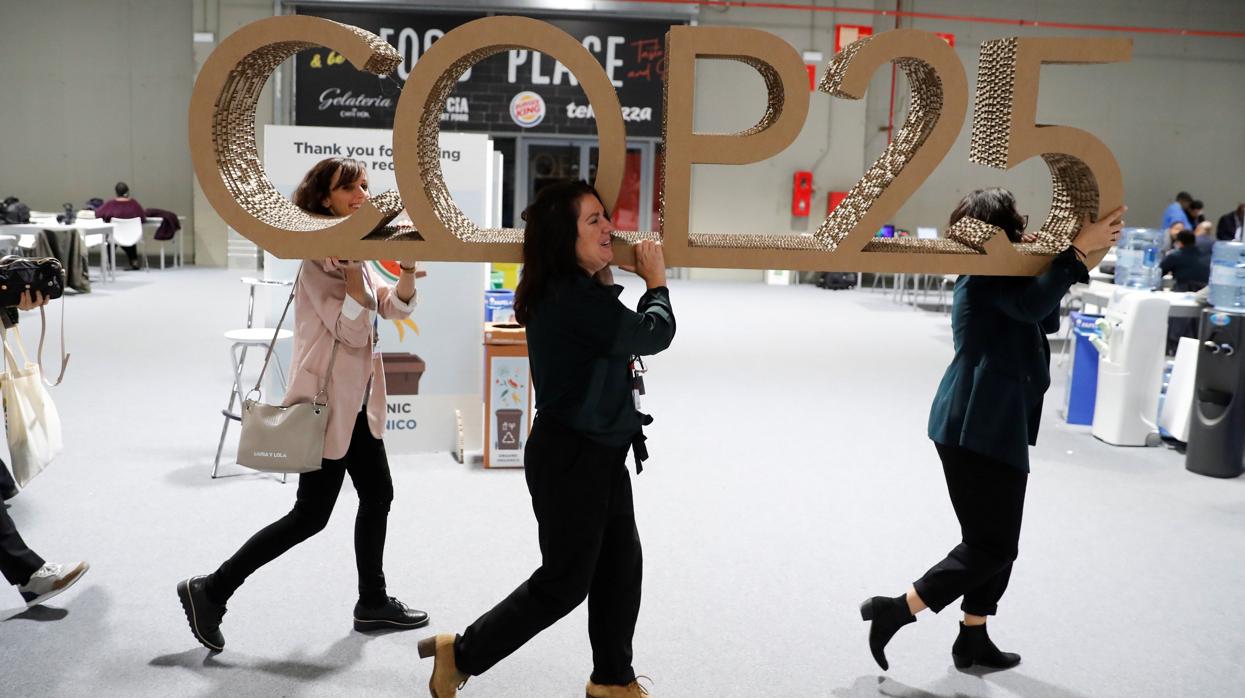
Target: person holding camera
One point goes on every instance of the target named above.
(36, 579)
(581, 342)
(983, 420)
(336, 306)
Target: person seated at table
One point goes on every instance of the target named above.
(1189, 265)
(1232, 224)
(123, 206)
(1203, 229)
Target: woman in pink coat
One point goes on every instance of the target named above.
(336, 302)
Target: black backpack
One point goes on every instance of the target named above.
(14, 211)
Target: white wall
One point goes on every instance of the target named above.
(221, 18)
(96, 92)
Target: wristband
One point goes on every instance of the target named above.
(1078, 251)
(405, 268)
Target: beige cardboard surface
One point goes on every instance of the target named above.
(448, 234)
(1085, 175)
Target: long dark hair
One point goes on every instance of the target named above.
(318, 182)
(549, 242)
(995, 206)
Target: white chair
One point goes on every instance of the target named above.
(177, 241)
(127, 232)
(97, 240)
(26, 243)
(240, 341)
(9, 244)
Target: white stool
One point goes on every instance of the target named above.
(242, 340)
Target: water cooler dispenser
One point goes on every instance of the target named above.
(1130, 368)
(1217, 430)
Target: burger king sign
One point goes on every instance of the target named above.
(527, 109)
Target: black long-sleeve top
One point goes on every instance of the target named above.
(580, 338)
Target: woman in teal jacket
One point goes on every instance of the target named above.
(984, 418)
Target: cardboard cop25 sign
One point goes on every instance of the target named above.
(1084, 174)
(516, 90)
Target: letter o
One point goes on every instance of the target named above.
(222, 136)
(441, 223)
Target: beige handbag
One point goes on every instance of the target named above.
(278, 439)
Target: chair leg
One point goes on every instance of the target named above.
(220, 446)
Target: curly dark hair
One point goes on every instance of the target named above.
(549, 242)
(318, 182)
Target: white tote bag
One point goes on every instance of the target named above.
(34, 427)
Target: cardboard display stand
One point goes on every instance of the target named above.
(1084, 174)
(507, 395)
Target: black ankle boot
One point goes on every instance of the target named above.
(973, 646)
(203, 614)
(887, 616)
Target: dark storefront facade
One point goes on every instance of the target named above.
(531, 105)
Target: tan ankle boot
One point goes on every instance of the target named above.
(446, 678)
(631, 690)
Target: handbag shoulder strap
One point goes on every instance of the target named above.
(10, 360)
(276, 332)
(43, 331)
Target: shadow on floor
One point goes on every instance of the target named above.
(40, 614)
(867, 686)
(234, 671)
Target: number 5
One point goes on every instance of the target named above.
(1085, 177)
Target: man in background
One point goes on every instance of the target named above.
(1232, 225)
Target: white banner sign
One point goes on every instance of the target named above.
(438, 350)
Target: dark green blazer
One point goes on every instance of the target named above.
(990, 398)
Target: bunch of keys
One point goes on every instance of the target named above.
(637, 379)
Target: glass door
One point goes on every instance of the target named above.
(546, 160)
(628, 209)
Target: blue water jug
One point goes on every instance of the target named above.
(1137, 258)
(499, 306)
(1227, 276)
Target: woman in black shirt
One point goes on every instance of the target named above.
(983, 420)
(580, 342)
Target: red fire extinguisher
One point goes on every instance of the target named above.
(802, 194)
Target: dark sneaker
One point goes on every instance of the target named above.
(203, 615)
(391, 615)
(50, 580)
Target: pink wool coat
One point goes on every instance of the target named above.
(323, 312)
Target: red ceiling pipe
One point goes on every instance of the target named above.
(748, 4)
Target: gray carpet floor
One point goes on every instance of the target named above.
(790, 479)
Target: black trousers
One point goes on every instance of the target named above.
(17, 562)
(589, 546)
(989, 498)
(368, 466)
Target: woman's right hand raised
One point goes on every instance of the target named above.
(1100, 234)
(650, 263)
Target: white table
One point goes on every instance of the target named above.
(25, 233)
(1183, 304)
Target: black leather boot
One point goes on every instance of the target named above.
(202, 613)
(887, 616)
(973, 646)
